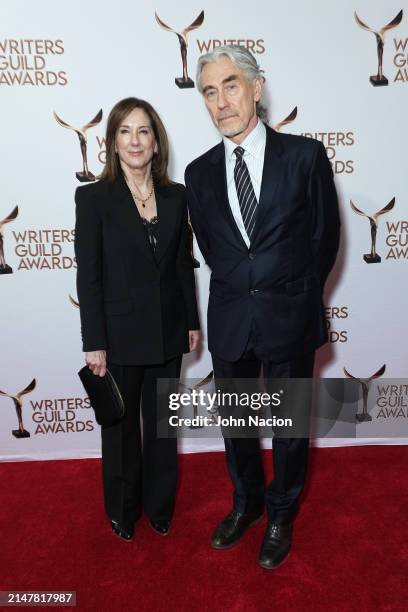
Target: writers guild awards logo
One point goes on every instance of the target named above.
(289, 119)
(379, 78)
(85, 176)
(373, 257)
(365, 385)
(45, 249)
(202, 383)
(74, 302)
(5, 268)
(20, 432)
(183, 82)
(335, 316)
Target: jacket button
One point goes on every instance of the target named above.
(251, 255)
(253, 291)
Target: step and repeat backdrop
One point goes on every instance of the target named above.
(335, 71)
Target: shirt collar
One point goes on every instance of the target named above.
(254, 143)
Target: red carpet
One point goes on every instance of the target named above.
(350, 549)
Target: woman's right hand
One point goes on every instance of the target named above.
(96, 361)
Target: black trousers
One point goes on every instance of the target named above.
(139, 469)
(243, 455)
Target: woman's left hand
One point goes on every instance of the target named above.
(194, 338)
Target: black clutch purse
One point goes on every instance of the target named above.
(104, 395)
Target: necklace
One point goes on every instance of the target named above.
(141, 200)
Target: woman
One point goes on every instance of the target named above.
(138, 307)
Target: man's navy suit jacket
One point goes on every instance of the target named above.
(279, 280)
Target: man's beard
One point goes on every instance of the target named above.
(233, 130)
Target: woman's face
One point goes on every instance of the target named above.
(135, 142)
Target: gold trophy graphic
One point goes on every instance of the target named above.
(85, 176)
(379, 78)
(373, 257)
(20, 432)
(73, 302)
(5, 268)
(183, 82)
(365, 384)
(201, 383)
(291, 117)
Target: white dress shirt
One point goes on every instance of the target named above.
(254, 145)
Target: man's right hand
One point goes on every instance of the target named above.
(96, 361)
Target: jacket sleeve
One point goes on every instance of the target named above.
(88, 253)
(194, 209)
(323, 203)
(185, 270)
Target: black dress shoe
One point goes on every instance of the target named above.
(160, 527)
(232, 528)
(275, 545)
(124, 534)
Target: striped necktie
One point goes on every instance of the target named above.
(245, 192)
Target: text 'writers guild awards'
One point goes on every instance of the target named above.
(18, 404)
(365, 383)
(373, 257)
(183, 82)
(5, 268)
(85, 176)
(379, 78)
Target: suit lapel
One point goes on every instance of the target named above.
(124, 210)
(219, 183)
(271, 176)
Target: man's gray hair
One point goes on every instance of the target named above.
(243, 59)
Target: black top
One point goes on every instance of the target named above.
(152, 229)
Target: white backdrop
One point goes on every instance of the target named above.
(79, 57)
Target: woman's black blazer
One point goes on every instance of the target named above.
(136, 305)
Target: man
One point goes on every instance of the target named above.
(264, 211)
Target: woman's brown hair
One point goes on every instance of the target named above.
(116, 117)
